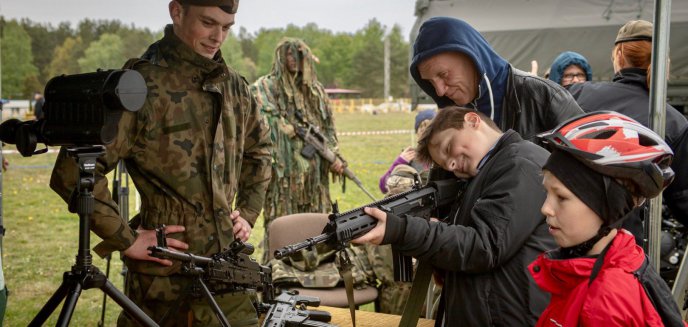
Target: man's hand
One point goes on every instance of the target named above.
(147, 238)
(375, 235)
(408, 154)
(534, 68)
(242, 229)
(337, 166)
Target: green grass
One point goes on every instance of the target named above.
(42, 236)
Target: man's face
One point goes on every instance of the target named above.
(573, 74)
(204, 29)
(453, 75)
(292, 63)
(459, 151)
(571, 222)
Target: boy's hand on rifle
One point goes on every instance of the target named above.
(147, 238)
(375, 235)
(337, 166)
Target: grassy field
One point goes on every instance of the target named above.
(42, 236)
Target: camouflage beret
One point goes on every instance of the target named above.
(229, 6)
(635, 30)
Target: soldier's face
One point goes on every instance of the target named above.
(292, 65)
(204, 29)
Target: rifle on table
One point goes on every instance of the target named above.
(289, 309)
(233, 270)
(343, 227)
(316, 142)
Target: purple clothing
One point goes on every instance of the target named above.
(383, 179)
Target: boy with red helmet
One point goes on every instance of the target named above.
(603, 165)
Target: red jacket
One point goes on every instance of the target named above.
(615, 298)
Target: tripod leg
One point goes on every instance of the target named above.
(69, 305)
(52, 303)
(128, 306)
(101, 323)
(216, 308)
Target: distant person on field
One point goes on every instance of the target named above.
(569, 68)
(38, 105)
(290, 97)
(405, 163)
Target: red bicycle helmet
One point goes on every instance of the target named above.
(617, 146)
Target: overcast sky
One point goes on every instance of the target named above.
(339, 15)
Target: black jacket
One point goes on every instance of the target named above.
(533, 105)
(487, 244)
(628, 94)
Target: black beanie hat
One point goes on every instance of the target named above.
(604, 195)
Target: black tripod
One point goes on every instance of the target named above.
(83, 274)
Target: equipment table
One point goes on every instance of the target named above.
(342, 318)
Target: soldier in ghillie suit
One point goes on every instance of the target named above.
(198, 144)
(289, 97)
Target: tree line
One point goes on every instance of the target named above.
(32, 53)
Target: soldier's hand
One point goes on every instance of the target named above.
(242, 229)
(146, 238)
(337, 166)
(375, 235)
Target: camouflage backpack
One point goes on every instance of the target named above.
(316, 268)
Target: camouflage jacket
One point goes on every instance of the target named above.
(316, 268)
(198, 142)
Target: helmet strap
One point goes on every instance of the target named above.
(582, 249)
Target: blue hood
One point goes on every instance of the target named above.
(565, 59)
(444, 34)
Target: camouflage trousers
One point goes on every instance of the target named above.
(157, 296)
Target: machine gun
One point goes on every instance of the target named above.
(344, 227)
(316, 142)
(289, 309)
(234, 270)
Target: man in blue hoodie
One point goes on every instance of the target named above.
(455, 65)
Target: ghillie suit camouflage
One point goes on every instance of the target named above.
(298, 184)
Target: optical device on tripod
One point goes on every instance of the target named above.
(81, 113)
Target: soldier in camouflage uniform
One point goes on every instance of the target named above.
(197, 143)
(298, 184)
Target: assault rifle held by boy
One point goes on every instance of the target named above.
(344, 227)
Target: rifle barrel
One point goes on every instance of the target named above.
(350, 174)
(164, 253)
(309, 242)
